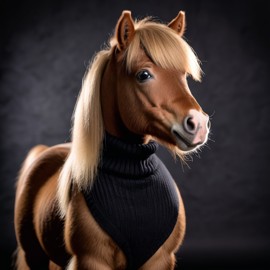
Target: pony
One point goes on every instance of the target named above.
(134, 94)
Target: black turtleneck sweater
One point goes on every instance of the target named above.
(133, 198)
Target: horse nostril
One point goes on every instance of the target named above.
(189, 125)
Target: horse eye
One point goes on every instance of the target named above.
(143, 75)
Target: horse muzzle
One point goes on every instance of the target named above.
(192, 132)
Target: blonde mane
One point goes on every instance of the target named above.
(166, 49)
(87, 135)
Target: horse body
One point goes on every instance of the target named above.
(42, 232)
(141, 96)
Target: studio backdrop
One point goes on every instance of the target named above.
(45, 47)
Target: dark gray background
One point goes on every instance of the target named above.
(44, 50)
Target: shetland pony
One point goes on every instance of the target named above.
(135, 90)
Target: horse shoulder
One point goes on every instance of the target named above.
(89, 245)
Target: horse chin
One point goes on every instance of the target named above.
(171, 143)
(184, 145)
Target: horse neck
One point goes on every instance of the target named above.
(109, 105)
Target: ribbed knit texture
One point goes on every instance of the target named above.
(133, 199)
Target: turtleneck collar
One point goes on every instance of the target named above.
(128, 160)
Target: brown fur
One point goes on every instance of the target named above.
(37, 223)
(39, 228)
(57, 238)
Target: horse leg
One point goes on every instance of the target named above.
(160, 260)
(90, 246)
(87, 263)
(20, 263)
(53, 266)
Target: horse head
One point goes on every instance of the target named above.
(144, 90)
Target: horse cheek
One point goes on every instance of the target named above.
(131, 114)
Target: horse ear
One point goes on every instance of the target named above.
(178, 24)
(124, 30)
